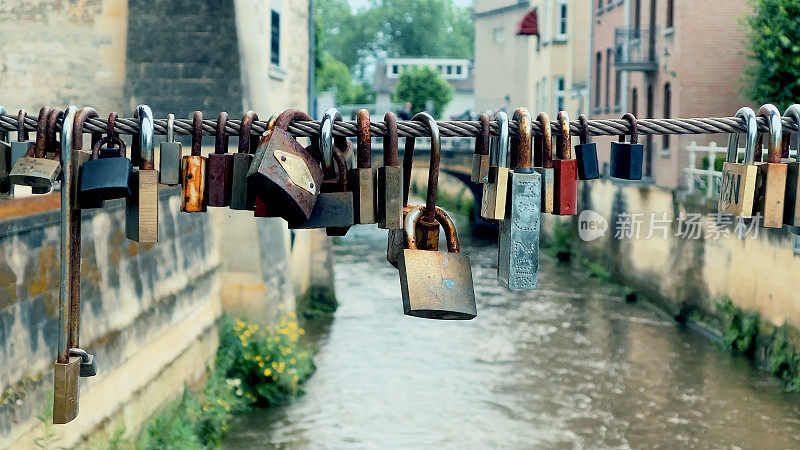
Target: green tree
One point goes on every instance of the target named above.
(417, 85)
(774, 44)
(334, 74)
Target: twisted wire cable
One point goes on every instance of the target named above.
(468, 129)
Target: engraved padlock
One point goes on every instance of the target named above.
(738, 186)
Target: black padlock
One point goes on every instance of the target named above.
(88, 363)
(586, 154)
(104, 179)
(627, 159)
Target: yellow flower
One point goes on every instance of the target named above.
(280, 367)
(258, 358)
(293, 315)
(293, 361)
(274, 365)
(267, 372)
(261, 364)
(301, 331)
(296, 378)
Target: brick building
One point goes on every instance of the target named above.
(667, 58)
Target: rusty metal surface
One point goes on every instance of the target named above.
(634, 125)
(362, 179)
(565, 201)
(220, 167)
(70, 260)
(390, 150)
(22, 132)
(543, 145)
(522, 143)
(193, 185)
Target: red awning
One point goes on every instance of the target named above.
(529, 25)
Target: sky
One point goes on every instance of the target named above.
(355, 4)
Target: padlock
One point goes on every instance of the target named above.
(141, 212)
(428, 229)
(565, 200)
(243, 198)
(260, 207)
(170, 154)
(493, 201)
(390, 180)
(738, 187)
(219, 166)
(34, 169)
(20, 147)
(362, 178)
(627, 159)
(791, 209)
(284, 173)
(105, 179)
(543, 162)
(771, 182)
(586, 153)
(436, 285)
(518, 239)
(5, 159)
(193, 171)
(108, 151)
(88, 363)
(334, 208)
(480, 159)
(65, 390)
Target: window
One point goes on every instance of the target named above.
(637, 14)
(617, 88)
(597, 72)
(275, 45)
(459, 70)
(635, 102)
(559, 95)
(608, 78)
(599, 4)
(449, 70)
(499, 34)
(562, 20)
(670, 13)
(667, 115)
(395, 69)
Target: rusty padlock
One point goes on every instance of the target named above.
(481, 156)
(390, 180)
(791, 209)
(141, 211)
(435, 284)
(362, 178)
(284, 173)
(34, 169)
(243, 198)
(220, 167)
(565, 201)
(428, 228)
(543, 162)
(738, 188)
(193, 171)
(260, 207)
(771, 182)
(20, 147)
(493, 201)
(518, 239)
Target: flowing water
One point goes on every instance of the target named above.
(568, 366)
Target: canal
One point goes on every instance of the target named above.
(568, 366)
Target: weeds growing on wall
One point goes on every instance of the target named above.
(559, 245)
(741, 328)
(784, 360)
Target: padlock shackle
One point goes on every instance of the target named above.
(326, 137)
(341, 172)
(80, 352)
(197, 133)
(584, 127)
(773, 116)
(433, 170)
(246, 137)
(220, 138)
(521, 145)
(77, 131)
(4, 135)
(109, 143)
(363, 140)
(564, 138)
(144, 145)
(66, 322)
(390, 157)
(483, 140)
(170, 127)
(22, 132)
(751, 124)
(444, 221)
(52, 143)
(793, 112)
(499, 154)
(634, 124)
(543, 145)
(39, 149)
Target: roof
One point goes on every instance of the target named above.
(383, 83)
(529, 25)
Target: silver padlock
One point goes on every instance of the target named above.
(170, 154)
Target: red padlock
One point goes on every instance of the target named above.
(566, 172)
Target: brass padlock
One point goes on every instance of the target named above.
(518, 240)
(219, 166)
(791, 209)
(20, 147)
(362, 178)
(284, 173)
(242, 198)
(193, 171)
(141, 212)
(481, 156)
(428, 229)
(493, 201)
(543, 162)
(34, 169)
(170, 156)
(771, 183)
(390, 180)
(738, 186)
(5, 158)
(436, 285)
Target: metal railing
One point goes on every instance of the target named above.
(635, 49)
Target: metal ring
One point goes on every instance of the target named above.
(326, 136)
(499, 157)
(170, 127)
